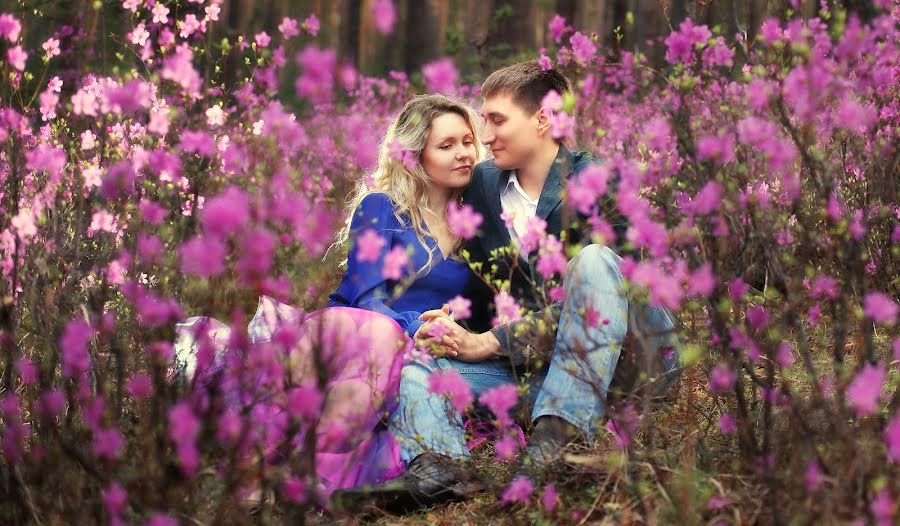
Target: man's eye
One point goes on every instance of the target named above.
(498, 122)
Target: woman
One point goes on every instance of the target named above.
(400, 264)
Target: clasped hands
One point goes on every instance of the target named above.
(441, 336)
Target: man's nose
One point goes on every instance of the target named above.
(487, 136)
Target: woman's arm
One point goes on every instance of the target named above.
(363, 285)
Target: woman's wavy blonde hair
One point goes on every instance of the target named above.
(405, 187)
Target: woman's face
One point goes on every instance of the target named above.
(450, 152)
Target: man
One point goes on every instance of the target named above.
(570, 381)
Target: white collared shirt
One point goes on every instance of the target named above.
(516, 203)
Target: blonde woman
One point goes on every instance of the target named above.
(400, 264)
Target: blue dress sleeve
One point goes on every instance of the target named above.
(362, 285)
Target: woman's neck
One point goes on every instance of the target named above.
(438, 199)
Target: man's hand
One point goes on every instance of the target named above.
(467, 346)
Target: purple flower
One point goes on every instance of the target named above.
(549, 498)
(727, 424)
(74, 346)
(865, 390)
(226, 213)
(257, 253)
(883, 508)
(757, 317)
(519, 490)
(10, 27)
(583, 48)
(203, 256)
(114, 498)
(702, 281)
(140, 386)
(557, 27)
(506, 448)
(108, 443)
(304, 403)
(51, 403)
(288, 28)
(880, 308)
(294, 489)
(441, 76)
(814, 477)
(451, 384)
(161, 519)
(721, 379)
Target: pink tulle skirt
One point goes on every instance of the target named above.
(358, 353)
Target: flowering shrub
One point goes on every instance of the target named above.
(758, 180)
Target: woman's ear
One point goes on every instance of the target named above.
(544, 118)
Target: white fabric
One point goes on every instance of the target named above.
(516, 203)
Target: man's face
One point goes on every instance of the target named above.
(509, 131)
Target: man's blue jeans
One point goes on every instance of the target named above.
(573, 386)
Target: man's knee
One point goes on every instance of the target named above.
(594, 258)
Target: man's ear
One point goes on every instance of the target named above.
(545, 118)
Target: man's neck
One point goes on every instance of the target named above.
(533, 175)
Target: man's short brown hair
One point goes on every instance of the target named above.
(526, 82)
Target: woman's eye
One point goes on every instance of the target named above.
(468, 143)
(445, 147)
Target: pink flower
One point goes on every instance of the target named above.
(189, 25)
(737, 288)
(718, 54)
(160, 14)
(288, 28)
(10, 27)
(814, 477)
(883, 508)
(545, 63)
(519, 490)
(51, 47)
(451, 384)
(727, 424)
(74, 346)
(461, 308)
(583, 48)
(316, 83)
(28, 372)
(506, 448)
(892, 438)
(51, 403)
(441, 76)
(114, 499)
(549, 498)
(179, 69)
(623, 423)
(463, 221)
(824, 287)
(385, 16)
(226, 213)
(311, 25)
(16, 56)
(369, 246)
(395, 263)
(151, 212)
(854, 117)
(865, 390)
(203, 256)
(702, 281)
(198, 142)
(262, 39)
(257, 248)
(880, 308)
(438, 330)
(47, 157)
(721, 379)
(784, 355)
(507, 309)
(557, 27)
(500, 400)
(718, 148)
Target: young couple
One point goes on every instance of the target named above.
(416, 456)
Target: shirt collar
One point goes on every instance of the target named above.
(513, 183)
